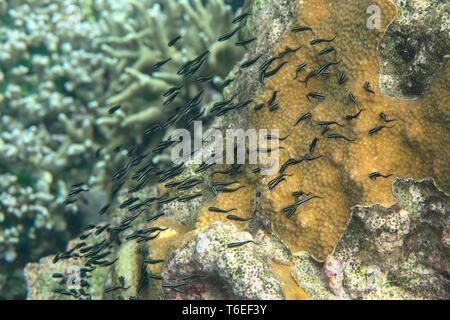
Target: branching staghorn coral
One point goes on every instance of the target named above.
(141, 43)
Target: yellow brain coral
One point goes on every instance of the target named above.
(416, 146)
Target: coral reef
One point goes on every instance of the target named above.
(59, 71)
(367, 234)
(41, 283)
(413, 48)
(415, 145)
(241, 271)
(399, 252)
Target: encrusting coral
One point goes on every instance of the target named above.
(399, 252)
(358, 159)
(414, 147)
(409, 58)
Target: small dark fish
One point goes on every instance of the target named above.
(274, 71)
(266, 64)
(274, 107)
(151, 219)
(189, 184)
(274, 182)
(203, 167)
(327, 50)
(169, 91)
(289, 162)
(97, 152)
(76, 192)
(214, 209)
(229, 190)
(266, 150)
(213, 190)
(153, 129)
(309, 76)
(77, 185)
(375, 175)
(325, 130)
(238, 244)
(236, 218)
(173, 41)
(353, 99)
(242, 105)
(300, 29)
(192, 276)
(218, 105)
(250, 62)
(383, 117)
(132, 150)
(322, 69)
(84, 236)
(145, 239)
(327, 123)
(261, 76)
(240, 17)
(272, 99)
(58, 275)
(338, 136)
(271, 137)
(127, 202)
(155, 277)
(118, 148)
(205, 79)
(312, 146)
(259, 106)
(350, 117)
(171, 98)
(366, 87)
(304, 116)
(69, 201)
(288, 50)
(341, 77)
(161, 63)
(171, 285)
(151, 261)
(114, 109)
(88, 227)
(63, 292)
(315, 95)
(229, 35)
(226, 84)
(189, 197)
(292, 208)
(168, 200)
(258, 169)
(195, 64)
(376, 129)
(101, 229)
(111, 289)
(299, 68)
(244, 42)
(300, 193)
(316, 41)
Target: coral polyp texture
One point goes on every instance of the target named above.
(414, 146)
(358, 205)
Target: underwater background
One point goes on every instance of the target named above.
(93, 206)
